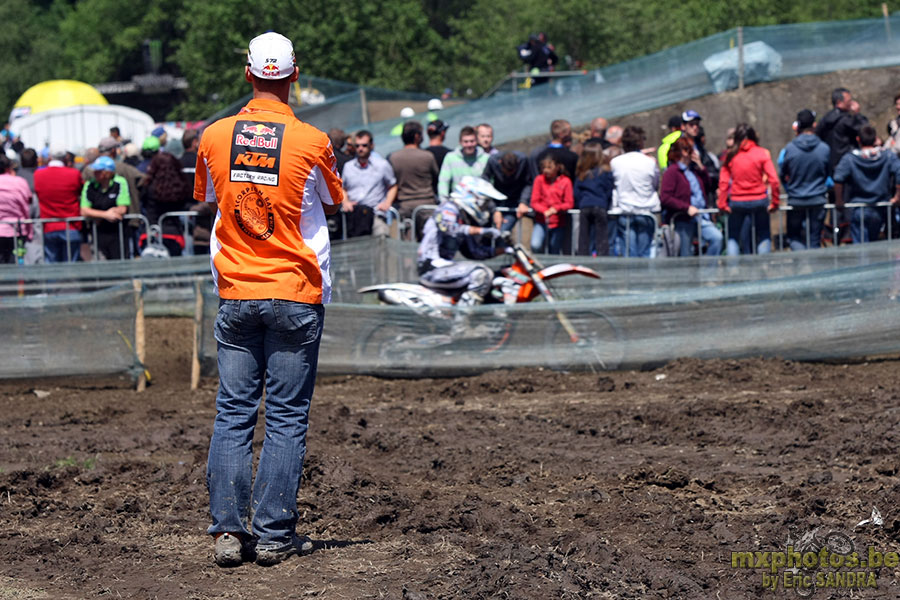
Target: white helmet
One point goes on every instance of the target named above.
(471, 195)
(435, 104)
(407, 112)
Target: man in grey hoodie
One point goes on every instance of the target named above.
(868, 175)
(805, 172)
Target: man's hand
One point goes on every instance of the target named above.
(693, 210)
(112, 215)
(522, 210)
(695, 158)
(491, 231)
(383, 206)
(348, 206)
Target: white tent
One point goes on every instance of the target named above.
(80, 127)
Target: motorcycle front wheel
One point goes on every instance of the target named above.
(598, 343)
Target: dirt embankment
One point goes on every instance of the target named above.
(522, 484)
(769, 107)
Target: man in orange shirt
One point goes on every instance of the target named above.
(273, 179)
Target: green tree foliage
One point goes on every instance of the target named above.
(417, 45)
(102, 39)
(28, 47)
(388, 44)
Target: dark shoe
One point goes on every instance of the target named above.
(231, 551)
(300, 545)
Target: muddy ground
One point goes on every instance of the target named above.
(506, 485)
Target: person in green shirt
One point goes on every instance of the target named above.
(105, 199)
(674, 133)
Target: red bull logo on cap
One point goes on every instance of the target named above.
(270, 70)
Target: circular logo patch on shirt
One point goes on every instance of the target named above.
(253, 212)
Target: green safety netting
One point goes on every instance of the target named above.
(69, 333)
(168, 283)
(830, 303)
(833, 303)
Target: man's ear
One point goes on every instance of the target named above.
(247, 75)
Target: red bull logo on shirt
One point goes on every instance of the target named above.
(255, 152)
(255, 142)
(258, 129)
(255, 139)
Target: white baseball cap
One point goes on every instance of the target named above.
(435, 104)
(407, 112)
(271, 56)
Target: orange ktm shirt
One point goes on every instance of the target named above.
(269, 174)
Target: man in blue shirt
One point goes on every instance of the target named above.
(370, 188)
(805, 170)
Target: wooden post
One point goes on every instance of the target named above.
(887, 20)
(364, 106)
(198, 333)
(139, 345)
(740, 57)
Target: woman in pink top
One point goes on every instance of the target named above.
(745, 182)
(551, 198)
(15, 197)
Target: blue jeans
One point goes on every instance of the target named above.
(799, 219)
(509, 221)
(55, 246)
(871, 227)
(612, 233)
(744, 218)
(555, 238)
(276, 343)
(635, 235)
(709, 236)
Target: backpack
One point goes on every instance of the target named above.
(669, 241)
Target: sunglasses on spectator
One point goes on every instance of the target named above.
(361, 145)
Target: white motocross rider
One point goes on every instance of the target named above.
(460, 224)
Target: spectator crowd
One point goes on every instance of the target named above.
(630, 198)
(627, 196)
(107, 207)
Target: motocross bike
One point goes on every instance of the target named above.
(451, 339)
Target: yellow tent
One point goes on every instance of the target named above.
(57, 93)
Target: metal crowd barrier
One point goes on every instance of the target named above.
(186, 217)
(69, 231)
(835, 225)
(407, 224)
(392, 216)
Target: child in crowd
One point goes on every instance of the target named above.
(594, 185)
(551, 197)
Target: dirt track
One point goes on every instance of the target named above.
(513, 484)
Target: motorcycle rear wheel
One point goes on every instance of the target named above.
(391, 348)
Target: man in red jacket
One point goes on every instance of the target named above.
(58, 189)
